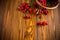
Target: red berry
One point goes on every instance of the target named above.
(20, 7)
(40, 17)
(35, 10)
(25, 10)
(45, 12)
(27, 6)
(44, 4)
(27, 17)
(39, 23)
(41, 0)
(40, 12)
(45, 23)
(45, 1)
(30, 10)
(23, 3)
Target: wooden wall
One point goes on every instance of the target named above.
(13, 26)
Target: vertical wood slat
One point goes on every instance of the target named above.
(4, 30)
(57, 27)
(51, 25)
(30, 25)
(12, 13)
(17, 23)
(14, 31)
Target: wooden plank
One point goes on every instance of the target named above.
(11, 23)
(51, 25)
(4, 30)
(57, 25)
(30, 26)
(21, 22)
(17, 22)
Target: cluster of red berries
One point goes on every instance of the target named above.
(26, 7)
(42, 23)
(40, 10)
(43, 2)
(43, 11)
(26, 17)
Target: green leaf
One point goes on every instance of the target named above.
(27, 11)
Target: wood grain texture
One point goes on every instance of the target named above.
(13, 26)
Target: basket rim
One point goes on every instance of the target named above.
(47, 7)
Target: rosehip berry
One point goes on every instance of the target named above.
(25, 10)
(20, 7)
(40, 16)
(40, 12)
(27, 6)
(45, 23)
(45, 12)
(27, 17)
(44, 4)
(35, 10)
(39, 23)
(43, 0)
(30, 10)
(23, 3)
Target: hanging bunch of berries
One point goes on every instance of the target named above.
(36, 10)
(27, 17)
(45, 12)
(24, 7)
(42, 23)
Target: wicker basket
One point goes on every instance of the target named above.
(46, 6)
